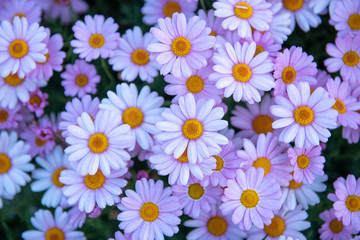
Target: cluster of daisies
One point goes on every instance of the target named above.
(254, 182)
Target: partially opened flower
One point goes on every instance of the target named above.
(37, 102)
(346, 18)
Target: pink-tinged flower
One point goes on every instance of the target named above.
(255, 120)
(322, 78)
(243, 15)
(75, 108)
(305, 118)
(99, 144)
(213, 226)
(291, 67)
(10, 118)
(132, 58)
(259, 197)
(21, 47)
(333, 228)
(76, 217)
(212, 22)
(52, 227)
(346, 104)
(150, 211)
(91, 190)
(79, 79)
(37, 102)
(184, 44)
(198, 84)
(347, 201)
(264, 42)
(194, 198)
(269, 155)
(21, 8)
(139, 110)
(153, 10)
(280, 24)
(351, 134)
(307, 163)
(287, 224)
(345, 56)
(346, 18)
(242, 74)
(192, 126)
(95, 37)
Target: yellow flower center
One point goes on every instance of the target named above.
(259, 49)
(18, 48)
(262, 124)
(336, 226)
(213, 33)
(219, 163)
(96, 40)
(354, 21)
(13, 80)
(351, 58)
(241, 72)
(294, 185)
(192, 129)
(263, 163)
(181, 46)
(55, 177)
(94, 182)
(249, 198)
(195, 84)
(19, 14)
(293, 5)
(170, 8)
(304, 115)
(352, 202)
(288, 75)
(195, 191)
(5, 163)
(276, 227)
(303, 161)
(39, 142)
(133, 116)
(35, 100)
(339, 106)
(149, 212)
(98, 143)
(140, 57)
(4, 115)
(217, 226)
(183, 158)
(81, 80)
(54, 234)
(243, 10)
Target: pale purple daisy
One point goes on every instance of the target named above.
(242, 74)
(212, 22)
(21, 8)
(95, 37)
(192, 126)
(333, 228)
(242, 15)
(322, 78)
(79, 79)
(132, 58)
(77, 217)
(280, 24)
(320, 7)
(150, 211)
(264, 42)
(10, 118)
(305, 118)
(99, 144)
(259, 197)
(351, 134)
(229, 133)
(184, 44)
(346, 17)
(37, 102)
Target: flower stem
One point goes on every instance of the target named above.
(107, 71)
(203, 6)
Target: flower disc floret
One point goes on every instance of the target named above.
(149, 212)
(276, 227)
(217, 225)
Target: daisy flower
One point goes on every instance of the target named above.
(132, 58)
(212, 22)
(91, 190)
(229, 133)
(10, 118)
(75, 108)
(153, 10)
(264, 42)
(20, 50)
(333, 228)
(345, 56)
(346, 18)
(37, 102)
(52, 227)
(243, 15)
(213, 226)
(139, 110)
(184, 44)
(351, 134)
(305, 118)
(280, 24)
(283, 224)
(293, 66)
(99, 144)
(258, 198)
(255, 120)
(195, 198)
(322, 78)
(269, 155)
(95, 37)
(242, 74)
(347, 201)
(150, 211)
(20, 8)
(79, 79)
(14, 163)
(192, 126)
